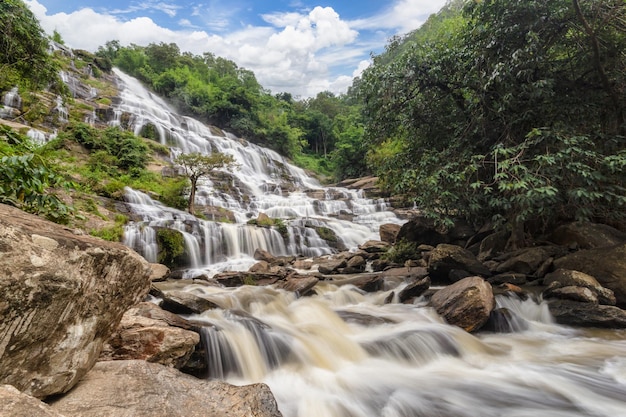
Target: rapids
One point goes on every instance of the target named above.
(342, 352)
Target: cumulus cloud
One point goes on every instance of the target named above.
(298, 52)
(403, 16)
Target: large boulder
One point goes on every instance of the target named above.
(585, 235)
(146, 332)
(388, 232)
(62, 296)
(422, 230)
(14, 403)
(584, 314)
(607, 265)
(143, 389)
(447, 258)
(527, 260)
(466, 303)
(563, 278)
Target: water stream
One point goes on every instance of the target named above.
(342, 352)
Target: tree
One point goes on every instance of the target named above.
(23, 45)
(199, 165)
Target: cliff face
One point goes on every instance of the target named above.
(61, 296)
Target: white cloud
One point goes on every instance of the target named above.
(403, 16)
(301, 53)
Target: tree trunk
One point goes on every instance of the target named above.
(192, 195)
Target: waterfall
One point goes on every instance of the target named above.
(263, 182)
(344, 353)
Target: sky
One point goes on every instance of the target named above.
(301, 47)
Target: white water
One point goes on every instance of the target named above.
(403, 360)
(342, 353)
(264, 182)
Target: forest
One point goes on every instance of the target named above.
(504, 111)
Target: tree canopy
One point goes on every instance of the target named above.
(514, 115)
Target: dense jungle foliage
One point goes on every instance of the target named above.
(505, 110)
(496, 110)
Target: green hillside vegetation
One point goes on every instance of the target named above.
(496, 111)
(513, 113)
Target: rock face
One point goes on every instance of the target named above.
(466, 303)
(585, 314)
(446, 258)
(587, 235)
(62, 297)
(564, 278)
(142, 389)
(607, 265)
(15, 403)
(146, 333)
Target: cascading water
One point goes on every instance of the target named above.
(263, 182)
(342, 352)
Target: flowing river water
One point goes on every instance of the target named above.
(343, 352)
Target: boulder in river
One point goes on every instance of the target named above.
(445, 258)
(466, 303)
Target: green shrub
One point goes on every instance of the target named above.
(402, 251)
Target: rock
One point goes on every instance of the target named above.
(16, 404)
(414, 289)
(388, 232)
(422, 230)
(237, 279)
(502, 320)
(528, 260)
(300, 284)
(263, 255)
(150, 339)
(572, 313)
(375, 246)
(582, 294)
(445, 258)
(585, 235)
(331, 266)
(62, 297)
(183, 302)
(303, 264)
(405, 274)
(568, 278)
(467, 303)
(492, 245)
(158, 272)
(380, 265)
(143, 389)
(261, 266)
(606, 265)
(514, 278)
(355, 265)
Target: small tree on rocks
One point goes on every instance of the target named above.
(199, 165)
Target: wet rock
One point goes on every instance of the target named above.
(467, 303)
(388, 232)
(355, 265)
(567, 278)
(582, 294)
(183, 302)
(405, 273)
(331, 266)
(422, 230)
(375, 246)
(414, 289)
(528, 260)
(503, 320)
(151, 339)
(158, 272)
(380, 265)
(14, 403)
(606, 265)
(445, 258)
(143, 389)
(362, 319)
(263, 255)
(573, 313)
(237, 279)
(514, 278)
(585, 235)
(300, 284)
(62, 296)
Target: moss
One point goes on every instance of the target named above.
(249, 280)
(171, 247)
(112, 233)
(326, 234)
(402, 251)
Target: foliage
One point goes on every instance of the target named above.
(26, 181)
(23, 47)
(401, 252)
(171, 246)
(509, 114)
(197, 165)
(113, 233)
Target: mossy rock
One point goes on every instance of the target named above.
(171, 248)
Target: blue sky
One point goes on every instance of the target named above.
(298, 46)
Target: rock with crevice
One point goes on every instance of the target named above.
(467, 303)
(143, 389)
(14, 403)
(564, 278)
(62, 296)
(445, 258)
